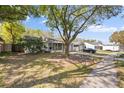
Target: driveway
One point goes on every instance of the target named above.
(103, 76)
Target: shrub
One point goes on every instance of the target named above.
(32, 44)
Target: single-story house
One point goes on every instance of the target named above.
(53, 44)
(98, 46)
(56, 45)
(111, 47)
(121, 47)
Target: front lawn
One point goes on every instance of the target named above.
(120, 74)
(43, 70)
(120, 55)
(104, 52)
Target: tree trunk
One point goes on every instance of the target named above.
(67, 50)
(13, 43)
(13, 38)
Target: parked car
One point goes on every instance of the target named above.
(89, 50)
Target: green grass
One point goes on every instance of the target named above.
(5, 54)
(103, 52)
(41, 70)
(120, 74)
(120, 55)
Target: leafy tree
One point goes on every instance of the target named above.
(17, 12)
(32, 40)
(12, 32)
(72, 20)
(32, 44)
(38, 33)
(33, 33)
(92, 40)
(117, 37)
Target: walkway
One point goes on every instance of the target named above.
(103, 76)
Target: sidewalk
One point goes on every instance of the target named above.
(103, 76)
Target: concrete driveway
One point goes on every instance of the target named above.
(103, 76)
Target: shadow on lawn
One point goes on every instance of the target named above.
(57, 78)
(15, 65)
(54, 79)
(18, 65)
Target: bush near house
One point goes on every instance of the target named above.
(32, 44)
(5, 53)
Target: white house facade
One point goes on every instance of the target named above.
(111, 47)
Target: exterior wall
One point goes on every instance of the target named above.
(5, 47)
(71, 47)
(121, 48)
(112, 48)
(8, 47)
(87, 45)
(75, 47)
(56, 47)
(81, 47)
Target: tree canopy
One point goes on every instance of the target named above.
(117, 37)
(17, 12)
(71, 20)
(12, 32)
(38, 33)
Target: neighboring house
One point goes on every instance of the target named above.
(98, 46)
(5, 47)
(111, 47)
(77, 46)
(121, 47)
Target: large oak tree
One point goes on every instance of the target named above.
(71, 20)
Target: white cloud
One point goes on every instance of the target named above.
(27, 19)
(44, 21)
(121, 28)
(101, 28)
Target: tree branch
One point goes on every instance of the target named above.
(56, 24)
(88, 18)
(78, 31)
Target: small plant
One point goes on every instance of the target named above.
(5, 53)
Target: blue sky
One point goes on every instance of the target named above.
(100, 32)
